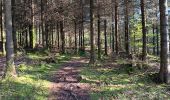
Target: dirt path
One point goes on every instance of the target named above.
(66, 82)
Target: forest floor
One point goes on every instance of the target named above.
(66, 81)
(46, 76)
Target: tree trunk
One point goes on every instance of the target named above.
(82, 27)
(42, 22)
(62, 38)
(105, 36)
(3, 28)
(99, 37)
(32, 25)
(13, 26)
(164, 73)
(36, 33)
(80, 37)
(127, 42)
(92, 58)
(31, 36)
(157, 40)
(83, 39)
(75, 36)
(113, 35)
(39, 33)
(26, 38)
(144, 48)
(47, 35)
(153, 41)
(116, 26)
(10, 70)
(51, 35)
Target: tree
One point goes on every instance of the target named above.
(42, 21)
(10, 70)
(13, 26)
(105, 36)
(62, 34)
(31, 25)
(113, 35)
(75, 36)
(98, 32)
(116, 26)
(164, 73)
(144, 48)
(92, 59)
(2, 27)
(157, 39)
(153, 40)
(127, 27)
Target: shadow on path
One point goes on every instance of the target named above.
(66, 82)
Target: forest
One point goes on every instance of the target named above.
(84, 50)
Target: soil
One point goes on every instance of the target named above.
(66, 82)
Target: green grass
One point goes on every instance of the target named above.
(123, 83)
(33, 81)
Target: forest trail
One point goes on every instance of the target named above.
(66, 82)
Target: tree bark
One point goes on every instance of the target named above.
(164, 73)
(144, 48)
(10, 70)
(47, 35)
(157, 40)
(13, 27)
(42, 22)
(75, 36)
(26, 38)
(127, 42)
(31, 36)
(113, 35)
(99, 37)
(62, 37)
(105, 36)
(3, 28)
(58, 35)
(153, 40)
(116, 26)
(32, 26)
(92, 56)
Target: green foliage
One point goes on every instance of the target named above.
(137, 33)
(82, 53)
